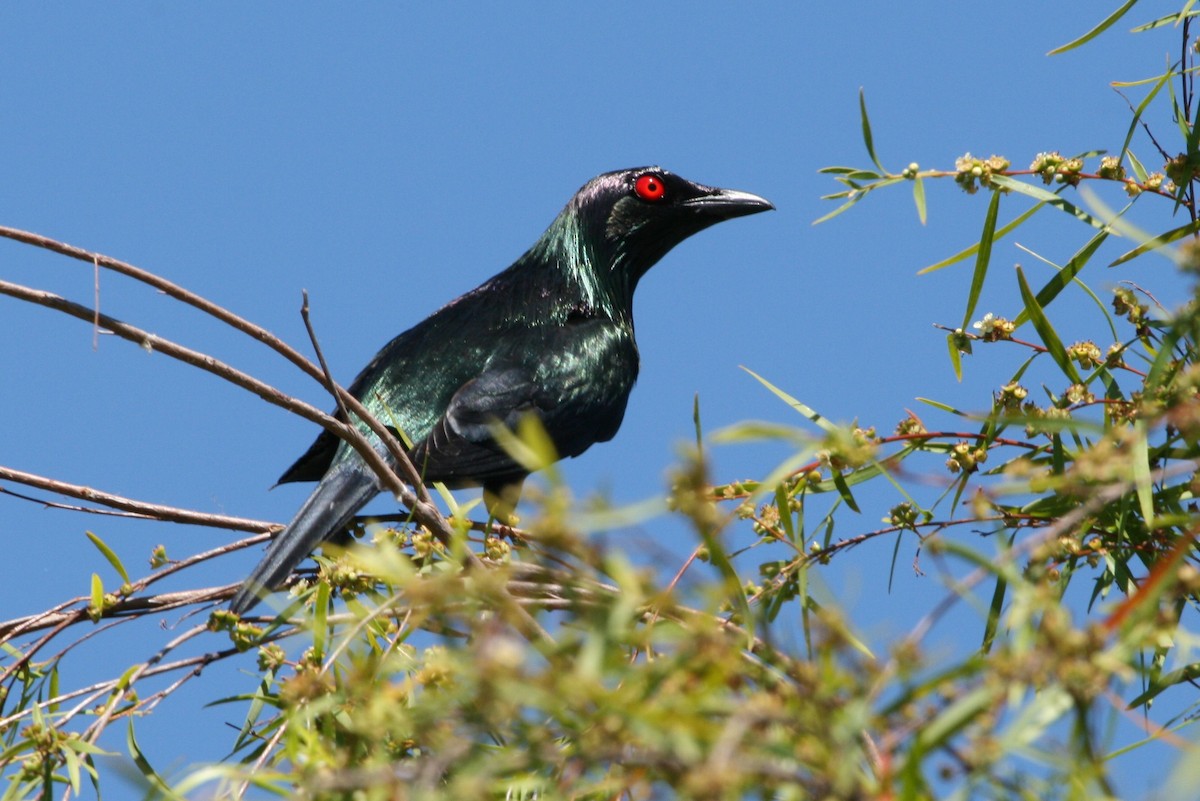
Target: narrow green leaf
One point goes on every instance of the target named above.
(1046, 330)
(811, 604)
(54, 691)
(123, 681)
(1138, 170)
(1067, 274)
(861, 175)
(982, 259)
(795, 404)
(696, 423)
(1044, 709)
(1140, 462)
(1049, 198)
(933, 733)
(320, 627)
(718, 558)
(1159, 368)
(71, 761)
(97, 603)
(1173, 18)
(995, 609)
(530, 445)
(108, 553)
(895, 557)
(161, 786)
(783, 503)
(945, 407)
(1154, 243)
(758, 430)
(843, 489)
(1134, 124)
(919, 198)
(973, 249)
(1187, 673)
(868, 140)
(955, 356)
(1104, 25)
(853, 199)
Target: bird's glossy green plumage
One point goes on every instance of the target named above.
(552, 336)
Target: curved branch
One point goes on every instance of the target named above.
(141, 509)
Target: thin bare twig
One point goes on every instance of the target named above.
(427, 514)
(152, 511)
(330, 384)
(96, 303)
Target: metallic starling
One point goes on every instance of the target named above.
(550, 336)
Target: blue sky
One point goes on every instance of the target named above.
(388, 158)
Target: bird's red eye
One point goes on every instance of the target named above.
(649, 187)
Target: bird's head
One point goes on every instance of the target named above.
(619, 224)
(639, 214)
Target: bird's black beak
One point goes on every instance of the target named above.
(725, 204)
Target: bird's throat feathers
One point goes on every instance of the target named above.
(577, 272)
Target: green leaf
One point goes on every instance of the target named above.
(823, 422)
(783, 503)
(1138, 170)
(919, 198)
(320, 624)
(811, 604)
(868, 140)
(1187, 673)
(1049, 198)
(97, 603)
(1045, 330)
(162, 788)
(1140, 462)
(973, 249)
(982, 258)
(843, 489)
(933, 733)
(53, 706)
(719, 559)
(758, 430)
(857, 196)
(945, 407)
(994, 611)
(1160, 368)
(1154, 243)
(1104, 25)
(1045, 708)
(1170, 19)
(108, 553)
(530, 445)
(955, 355)
(71, 760)
(1067, 274)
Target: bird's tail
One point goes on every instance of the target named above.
(339, 496)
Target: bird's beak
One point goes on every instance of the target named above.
(728, 203)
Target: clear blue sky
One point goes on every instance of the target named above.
(387, 159)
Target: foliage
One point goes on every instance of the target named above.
(460, 659)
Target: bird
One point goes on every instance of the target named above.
(550, 336)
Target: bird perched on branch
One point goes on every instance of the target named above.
(551, 336)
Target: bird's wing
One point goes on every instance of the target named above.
(461, 446)
(575, 379)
